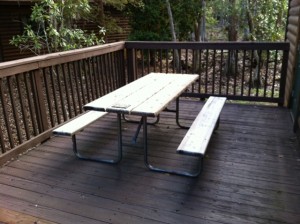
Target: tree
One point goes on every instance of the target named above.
(53, 27)
(104, 17)
(149, 22)
(173, 33)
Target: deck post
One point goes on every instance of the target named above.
(131, 64)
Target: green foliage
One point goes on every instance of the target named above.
(149, 22)
(121, 4)
(53, 27)
(269, 19)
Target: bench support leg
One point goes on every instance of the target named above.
(217, 124)
(113, 161)
(177, 115)
(151, 167)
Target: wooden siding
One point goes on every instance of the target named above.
(11, 18)
(251, 174)
(13, 13)
(292, 36)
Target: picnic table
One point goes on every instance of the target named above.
(147, 97)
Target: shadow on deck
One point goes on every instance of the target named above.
(251, 174)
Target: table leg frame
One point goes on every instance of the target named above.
(157, 169)
(103, 160)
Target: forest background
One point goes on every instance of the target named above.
(52, 25)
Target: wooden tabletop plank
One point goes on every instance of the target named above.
(147, 95)
(160, 100)
(142, 95)
(118, 95)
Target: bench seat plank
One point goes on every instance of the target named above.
(197, 138)
(72, 127)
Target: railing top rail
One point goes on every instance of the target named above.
(28, 64)
(245, 45)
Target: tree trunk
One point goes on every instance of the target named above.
(196, 56)
(101, 21)
(203, 21)
(172, 28)
(256, 80)
(231, 68)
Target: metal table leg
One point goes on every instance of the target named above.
(151, 167)
(120, 146)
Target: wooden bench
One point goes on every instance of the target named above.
(196, 140)
(76, 125)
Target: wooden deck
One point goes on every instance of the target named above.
(251, 175)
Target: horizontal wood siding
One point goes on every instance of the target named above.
(11, 18)
(292, 36)
(14, 14)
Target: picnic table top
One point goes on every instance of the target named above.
(146, 96)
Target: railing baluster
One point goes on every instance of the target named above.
(221, 72)
(274, 73)
(243, 73)
(14, 108)
(160, 61)
(266, 73)
(206, 71)
(96, 76)
(236, 53)
(67, 88)
(29, 91)
(258, 73)
(54, 95)
(78, 84)
(61, 93)
(49, 101)
(167, 61)
(100, 77)
(2, 141)
(250, 73)
(227, 75)
(113, 71)
(72, 95)
(22, 98)
(213, 71)
(6, 115)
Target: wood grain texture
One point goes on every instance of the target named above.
(148, 95)
(13, 217)
(196, 140)
(250, 173)
(77, 124)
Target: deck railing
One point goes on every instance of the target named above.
(41, 92)
(248, 71)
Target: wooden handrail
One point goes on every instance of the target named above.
(43, 91)
(42, 61)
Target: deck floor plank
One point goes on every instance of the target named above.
(251, 174)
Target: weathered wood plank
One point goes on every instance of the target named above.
(196, 140)
(78, 123)
(11, 216)
(251, 173)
